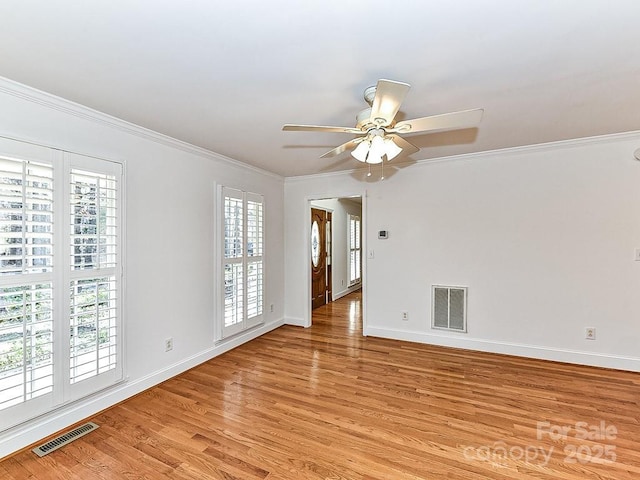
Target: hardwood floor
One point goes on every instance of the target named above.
(327, 403)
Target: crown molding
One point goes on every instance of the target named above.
(539, 147)
(68, 107)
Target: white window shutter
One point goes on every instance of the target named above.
(355, 251)
(93, 274)
(243, 260)
(26, 282)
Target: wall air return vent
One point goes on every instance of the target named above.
(449, 308)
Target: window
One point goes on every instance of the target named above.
(26, 281)
(59, 272)
(243, 261)
(93, 282)
(355, 252)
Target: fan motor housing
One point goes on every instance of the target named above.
(363, 119)
(370, 94)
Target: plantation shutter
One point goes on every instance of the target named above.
(355, 251)
(26, 282)
(94, 274)
(243, 263)
(255, 245)
(233, 261)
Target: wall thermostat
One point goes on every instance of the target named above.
(383, 234)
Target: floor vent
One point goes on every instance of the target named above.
(65, 438)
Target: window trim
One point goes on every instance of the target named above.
(223, 332)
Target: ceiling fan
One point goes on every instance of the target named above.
(378, 135)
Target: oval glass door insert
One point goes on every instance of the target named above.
(315, 244)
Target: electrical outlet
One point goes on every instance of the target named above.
(168, 344)
(405, 316)
(590, 333)
(637, 254)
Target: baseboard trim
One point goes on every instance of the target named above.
(296, 322)
(347, 291)
(28, 433)
(616, 362)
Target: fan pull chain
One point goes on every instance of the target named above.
(382, 173)
(369, 173)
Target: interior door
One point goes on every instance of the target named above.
(329, 259)
(318, 258)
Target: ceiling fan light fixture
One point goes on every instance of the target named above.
(377, 149)
(373, 158)
(361, 151)
(391, 149)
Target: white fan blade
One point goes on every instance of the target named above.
(407, 148)
(437, 123)
(350, 145)
(386, 103)
(319, 128)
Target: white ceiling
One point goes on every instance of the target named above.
(227, 75)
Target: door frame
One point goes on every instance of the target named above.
(306, 251)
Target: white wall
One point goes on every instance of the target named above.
(169, 265)
(341, 208)
(543, 237)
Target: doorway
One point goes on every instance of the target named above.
(331, 259)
